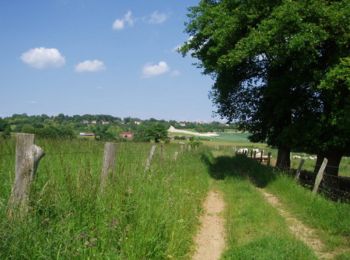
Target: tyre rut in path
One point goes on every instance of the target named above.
(210, 240)
(299, 229)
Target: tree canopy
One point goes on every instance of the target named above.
(278, 66)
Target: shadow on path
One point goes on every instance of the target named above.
(239, 167)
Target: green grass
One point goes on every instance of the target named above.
(140, 215)
(254, 229)
(330, 219)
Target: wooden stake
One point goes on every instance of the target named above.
(162, 151)
(149, 159)
(28, 157)
(108, 167)
(297, 175)
(269, 159)
(175, 155)
(319, 176)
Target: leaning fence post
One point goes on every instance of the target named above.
(28, 156)
(109, 157)
(319, 176)
(268, 159)
(150, 156)
(297, 175)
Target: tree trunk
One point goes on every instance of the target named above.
(283, 158)
(334, 158)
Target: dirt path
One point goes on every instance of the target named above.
(299, 229)
(210, 241)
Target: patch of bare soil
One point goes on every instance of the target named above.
(210, 241)
(299, 229)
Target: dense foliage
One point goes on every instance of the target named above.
(270, 61)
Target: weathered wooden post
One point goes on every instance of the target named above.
(251, 153)
(182, 148)
(268, 159)
(297, 174)
(150, 156)
(176, 155)
(261, 156)
(108, 167)
(162, 152)
(189, 148)
(28, 156)
(319, 176)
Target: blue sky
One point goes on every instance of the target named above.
(99, 56)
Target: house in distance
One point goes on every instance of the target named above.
(127, 135)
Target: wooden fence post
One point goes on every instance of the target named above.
(108, 167)
(261, 156)
(297, 175)
(28, 156)
(319, 176)
(268, 159)
(254, 154)
(150, 156)
(251, 153)
(175, 155)
(162, 151)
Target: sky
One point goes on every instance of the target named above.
(100, 57)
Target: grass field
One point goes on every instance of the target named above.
(141, 215)
(155, 214)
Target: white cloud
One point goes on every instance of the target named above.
(119, 24)
(157, 18)
(151, 70)
(41, 58)
(175, 73)
(90, 66)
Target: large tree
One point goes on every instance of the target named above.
(268, 59)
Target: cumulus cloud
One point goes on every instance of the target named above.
(90, 66)
(157, 18)
(151, 70)
(119, 24)
(41, 58)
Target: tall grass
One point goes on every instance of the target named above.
(140, 215)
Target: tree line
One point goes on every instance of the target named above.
(281, 70)
(104, 127)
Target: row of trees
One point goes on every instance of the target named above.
(104, 127)
(281, 70)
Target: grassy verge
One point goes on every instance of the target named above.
(330, 219)
(254, 229)
(139, 216)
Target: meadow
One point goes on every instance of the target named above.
(155, 214)
(141, 215)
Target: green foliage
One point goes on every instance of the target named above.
(152, 132)
(267, 59)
